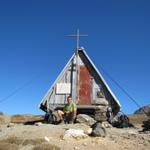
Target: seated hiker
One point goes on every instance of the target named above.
(69, 112)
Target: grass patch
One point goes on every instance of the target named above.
(7, 146)
(46, 146)
(14, 143)
(137, 119)
(12, 140)
(18, 141)
(32, 142)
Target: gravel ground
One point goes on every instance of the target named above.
(31, 137)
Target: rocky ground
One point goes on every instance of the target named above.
(50, 137)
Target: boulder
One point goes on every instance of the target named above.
(100, 113)
(98, 130)
(82, 118)
(74, 133)
(100, 116)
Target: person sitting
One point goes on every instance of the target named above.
(69, 111)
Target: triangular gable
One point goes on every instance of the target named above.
(48, 94)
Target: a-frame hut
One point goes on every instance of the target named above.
(81, 79)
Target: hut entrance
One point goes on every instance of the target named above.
(85, 86)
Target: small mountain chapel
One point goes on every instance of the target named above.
(83, 81)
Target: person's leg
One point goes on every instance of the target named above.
(60, 114)
(68, 118)
(73, 117)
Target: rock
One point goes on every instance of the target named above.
(106, 125)
(102, 101)
(89, 131)
(100, 113)
(100, 116)
(38, 123)
(10, 125)
(82, 118)
(84, 144)
(76, 147)
(46, 139)
(101, 108)
(98, 130)
(75, 133)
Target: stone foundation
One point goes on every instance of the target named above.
(101, 110)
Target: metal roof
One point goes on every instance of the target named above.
(100, 75)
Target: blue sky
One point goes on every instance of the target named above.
(34, 46)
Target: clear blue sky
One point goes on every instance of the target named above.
(34, 46)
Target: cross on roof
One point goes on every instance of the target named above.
(77, 35)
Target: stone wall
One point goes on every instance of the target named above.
(101, 110)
